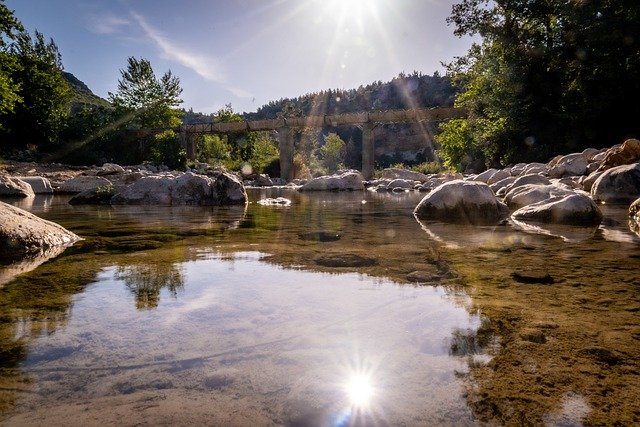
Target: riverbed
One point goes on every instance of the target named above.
(340, 309)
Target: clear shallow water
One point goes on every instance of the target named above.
(224, 315)
(284, 344)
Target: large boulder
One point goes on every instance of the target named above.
(397, 173)
(346, 180)
(625, 154)
(533, 193)
(185, 189)
(574, 209)
(109, 169)
(82, 183)
(14, 187)
(620, 184)
(468, 202)
(24, 234)
(39, 185)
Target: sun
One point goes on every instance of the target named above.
(359, 390)
(351, 9)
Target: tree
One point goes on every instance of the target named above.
(40, 112)
(9, 28)
(333, 152)
(150, 101)
(549, 76)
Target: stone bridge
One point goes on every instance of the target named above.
(367, 121)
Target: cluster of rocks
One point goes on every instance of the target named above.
(25, 235)
(566, 190)
(113, 184)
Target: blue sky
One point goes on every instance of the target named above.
(247, 52)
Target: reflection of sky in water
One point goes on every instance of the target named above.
(295, 346)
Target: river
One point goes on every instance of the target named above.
(340, 309)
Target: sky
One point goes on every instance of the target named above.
(247, 52)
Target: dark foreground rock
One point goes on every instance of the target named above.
(24, 234)
(466, 202)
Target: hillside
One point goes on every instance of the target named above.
(81, 95)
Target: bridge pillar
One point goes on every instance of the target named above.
(285, 144)
(368, 151)
(188, 141)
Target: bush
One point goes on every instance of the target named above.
(165, 148)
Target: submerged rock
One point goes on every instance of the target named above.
(345, 260)
(467, 202)
(23, 234)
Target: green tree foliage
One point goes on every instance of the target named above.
(213, 149)
(9, 28)
(333, 152)
(35, 111)
(149, 102)
(549, 76)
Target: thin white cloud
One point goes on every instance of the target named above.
(240, 93)
(203, 66)
(106, 24)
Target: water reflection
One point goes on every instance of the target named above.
(251, 339)
(146, 281)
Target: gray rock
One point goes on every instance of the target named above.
(38, 184)
(574, 209)
(496, 186)
(460, 201)
(24, 234)
(536, 168)
(499, 175)
(14, 187)
(532, 178)
(185, 189)
(486, 175)
(397, 173)
(347, 180)
(82, 183)
(587, 182)
(620, 184)
(404, 184)
(533, 193)
(569, 165)
(109, 169)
